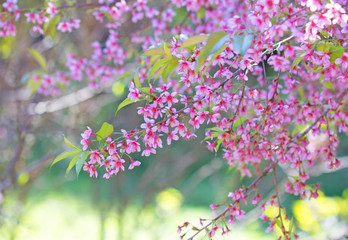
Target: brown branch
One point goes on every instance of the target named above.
(20, 144)
(247, 189)
(284, 20)
(15, 158)
(339, 98)
(278, 201)
(276, 88)
(238, 106)
(8, 182)
(266, 82)
(178, 112)
(268, 169)
(86, 5)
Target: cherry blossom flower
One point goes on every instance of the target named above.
(51, 9)
(84, 143)
(250, 122)
(10, 5)
(87, 133)
(31, 17)
(134, 164)
(172, 136)
(119, 165)
(269, 5)
(279, 63)
(343, 61)
(64, 27)
(214, 207)
(96, 157)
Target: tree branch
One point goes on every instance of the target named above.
(8, 182)
(268, 169)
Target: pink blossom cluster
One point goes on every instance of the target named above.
(8, 16)
(249, 125)
(111, 156)
(279, 75)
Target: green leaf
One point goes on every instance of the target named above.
(108, 16)
(325, 33)
(251, 3)
(72, 163)
(105, 130)
(301, 92)
(167, 51)
(239, 122)
(145, 90)
(154, 58)
(169, 68)
(80, 160)
(218, 144)
(51, 26)
(214, 57)
(325, 47)
(292, 225)
(154, 51)
(124, 103)
(336, 52)
(160, 72)
(215, 42)
(318, 69)
(314, 69)
(67, 142)
(200, 59)
(278, 223)
(64, 155)
(214, 135)
(201, 13)
(216, 129)
(137, 80)
(219, 45)
(298, 59)
(157, 66)
(242, 43)
(238, 43)
(194, 40)
(38, 57)
(328, 85)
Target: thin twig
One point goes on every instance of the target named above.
(322, 115)
(6, 182)
(86, 5)
(268, 169)
(238, 106)
(265, 77)
(247, 189)
(278, 201)
(276, 88)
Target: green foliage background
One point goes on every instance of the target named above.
(149, 202)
